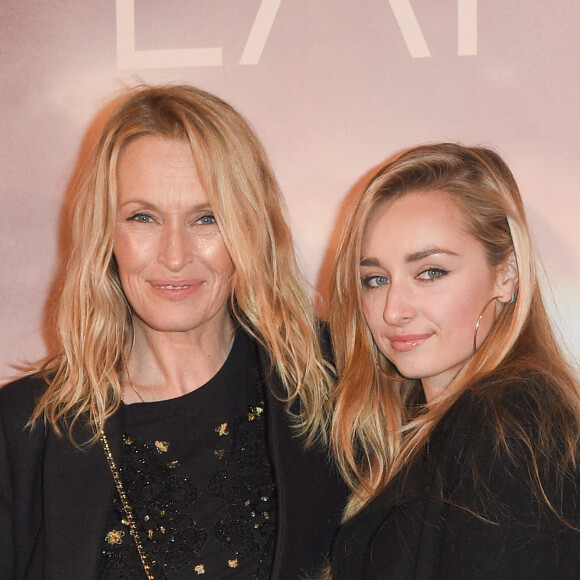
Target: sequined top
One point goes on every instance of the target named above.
(198, 478)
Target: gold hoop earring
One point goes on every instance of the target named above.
(479, 322)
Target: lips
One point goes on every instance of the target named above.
(407, 342)
(175, 289)
(173, 286)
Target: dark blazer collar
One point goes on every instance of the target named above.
(77, 484)
(310, 495)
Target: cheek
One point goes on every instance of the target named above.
(460, 312)
(214, 252)
(461, 319)
(224, 267)
(208, 247)
(372, 306)
(132, 254)
(129, 255)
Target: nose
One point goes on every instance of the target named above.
(176, 249)
(399, 308)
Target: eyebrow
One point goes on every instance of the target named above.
(410, 258)
(153, 206)
(416, 256)
(373, 262)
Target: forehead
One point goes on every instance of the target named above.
(417, 221)
(153, 148)
(161, 171)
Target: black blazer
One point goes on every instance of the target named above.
(54, 498)
(441, 519)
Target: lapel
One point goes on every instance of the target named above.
(274, 420)
(309, 493)
(78, 490)
(434, 468)
(407, 486)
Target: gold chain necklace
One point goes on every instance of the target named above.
(126, 505)
(132, 386)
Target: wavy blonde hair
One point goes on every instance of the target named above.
(379, 424)
(268, 297)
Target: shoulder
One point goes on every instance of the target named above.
(519, 429)
(18, 398)
(22, 391)
(519, 422)
(528, 398)
(529, 405)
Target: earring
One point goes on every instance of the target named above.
(479, 322)
(512, 298)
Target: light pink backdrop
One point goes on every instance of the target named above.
(333, 87)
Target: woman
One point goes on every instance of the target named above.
(162, 442)
(456, 418)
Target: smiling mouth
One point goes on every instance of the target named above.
(408, 343)
(172, 286)
(177, 290)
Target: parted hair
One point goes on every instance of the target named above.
(268, 296)
(379, 424)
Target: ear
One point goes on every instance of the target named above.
(506, 281)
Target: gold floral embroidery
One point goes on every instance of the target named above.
(222, 430)
(254, 412)
(200, 569)
(233, 563)
(162, 446)
(114, 537)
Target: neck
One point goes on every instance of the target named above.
(168, 365)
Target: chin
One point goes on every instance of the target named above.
(178, 325)
(412, 372)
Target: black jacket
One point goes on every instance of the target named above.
(464, 509)
(54, 498)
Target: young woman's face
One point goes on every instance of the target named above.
(174, 266)
(425, 283)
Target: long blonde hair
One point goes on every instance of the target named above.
(376, 425)
(268, 297)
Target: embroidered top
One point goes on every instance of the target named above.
(198, 478)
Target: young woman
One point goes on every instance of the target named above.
(456, 418)
(163, 441)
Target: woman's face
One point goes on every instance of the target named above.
(174, 266)
(425, 283)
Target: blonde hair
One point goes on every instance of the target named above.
(268, 297)
(378, 423)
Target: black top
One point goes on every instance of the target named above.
(55, 498)
(198, 478)
(464, 509)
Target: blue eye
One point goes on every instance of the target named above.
(141, 218)
(375, 281)
(207, 219)
(432, 274)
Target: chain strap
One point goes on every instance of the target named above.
(126, 505)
